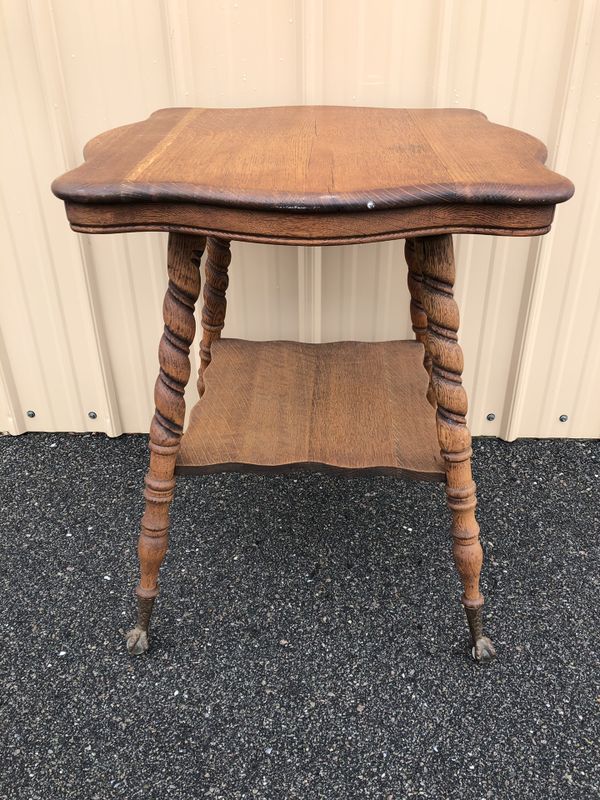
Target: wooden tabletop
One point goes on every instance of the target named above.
(193, 169)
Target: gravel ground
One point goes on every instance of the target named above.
(308, 643)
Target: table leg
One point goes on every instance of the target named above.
(436, 258)
(417, 312)
(183, 263)
(215, 303)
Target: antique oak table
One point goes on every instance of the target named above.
(312, 175)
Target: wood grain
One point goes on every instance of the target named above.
(215, 301)
(166, 428)
(351, 407)
(418, 315)
(309, 161)
(434, 257)
(314, 228)
(309, 158)
(183, 266)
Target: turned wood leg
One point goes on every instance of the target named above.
(436, 258)
(183, 263)
(216, 280)
(417, 312)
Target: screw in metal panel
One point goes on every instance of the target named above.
(31, 414)
(491, 417)
(92, 414)
(563, 418)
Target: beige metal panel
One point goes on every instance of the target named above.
(495, 62)
(160, 54)
(81, 329)
(560, 360)
(115, 70)
(52, 362)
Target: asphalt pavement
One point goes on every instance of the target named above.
(308, 641)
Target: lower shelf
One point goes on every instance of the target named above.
(351, 407)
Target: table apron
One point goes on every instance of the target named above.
(311, 228)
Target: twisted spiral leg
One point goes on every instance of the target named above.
(417, 312)
(436, 258)
(183, 263)
(215, 303)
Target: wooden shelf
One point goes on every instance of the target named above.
(352, 407)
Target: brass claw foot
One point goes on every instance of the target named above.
(483, 649)
(137, 641)
(137, 638)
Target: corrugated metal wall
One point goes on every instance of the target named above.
(80, 315)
